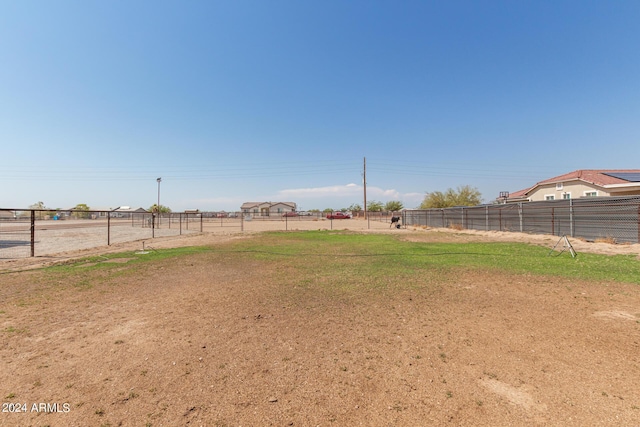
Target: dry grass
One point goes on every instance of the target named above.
(608, 239)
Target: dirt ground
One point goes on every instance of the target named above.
(215, 342)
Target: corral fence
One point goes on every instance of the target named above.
(615, 219)
(44, 232)
(36, 232)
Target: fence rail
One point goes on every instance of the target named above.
(31, 232)
(42, 232)
(611, 218)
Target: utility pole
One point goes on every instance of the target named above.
(364, 181)
(158, 205)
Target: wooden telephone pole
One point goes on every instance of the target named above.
(364, 181)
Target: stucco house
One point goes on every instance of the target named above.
(126, 212)
(581, 183)
(267, 208)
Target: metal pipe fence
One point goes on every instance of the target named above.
(614, 219)
(31, 232)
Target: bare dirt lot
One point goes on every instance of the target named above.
(218, 342)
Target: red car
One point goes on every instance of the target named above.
(290, 214)
(338, 215)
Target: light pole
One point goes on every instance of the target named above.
(158, 205)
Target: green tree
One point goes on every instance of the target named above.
(463, 196)
(433, 200)
(327, 210)
(355, 207)
(163, 209)
(81, 210)
(393, 206)
(374, 206)
(39, 206)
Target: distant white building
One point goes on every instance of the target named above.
(126, 212)
(267, 208)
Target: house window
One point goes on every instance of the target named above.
(549, 197)
(559, 186)
(566, 196)
(590, 194)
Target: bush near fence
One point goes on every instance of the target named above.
(615, 219)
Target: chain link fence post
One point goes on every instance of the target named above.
(33, 233)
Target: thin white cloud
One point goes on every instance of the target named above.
(213, 203)
(353, 191)
(412, 200)
(373, 192)
(348, 190)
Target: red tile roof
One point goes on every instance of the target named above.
(519, 193)
(593, 176)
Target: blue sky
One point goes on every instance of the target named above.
(280, 100)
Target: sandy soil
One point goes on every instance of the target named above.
(219, 342)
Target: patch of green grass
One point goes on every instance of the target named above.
(372, 258)
(12, 330)
(342, 262)
(86, 273)
(108, 261)
(83, 284)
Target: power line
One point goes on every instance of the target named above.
(272, 169)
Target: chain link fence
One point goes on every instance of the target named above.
(615, 219)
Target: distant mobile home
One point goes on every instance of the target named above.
(267, 208)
